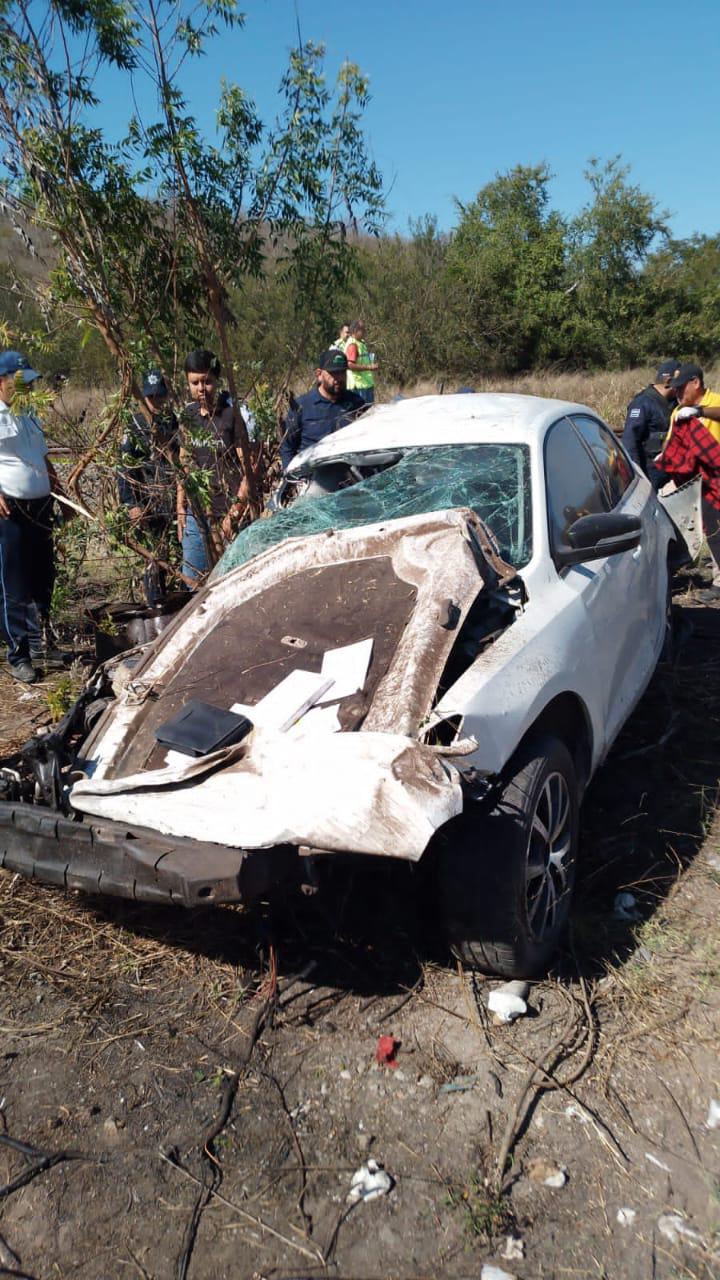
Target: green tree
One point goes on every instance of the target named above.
(609, 243)
(506, 264)
(678, 302)
(147, 266)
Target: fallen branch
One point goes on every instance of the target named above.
(249, 1217)
(43, 1160)
(212, 1170)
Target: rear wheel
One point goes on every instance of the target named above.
(507, 876)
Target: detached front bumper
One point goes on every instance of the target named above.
(101, 856)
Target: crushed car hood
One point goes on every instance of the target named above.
(372, 787)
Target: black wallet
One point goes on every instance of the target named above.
(199, 728)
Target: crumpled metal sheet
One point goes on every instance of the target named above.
(373, 793)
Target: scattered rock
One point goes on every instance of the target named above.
(546, 1172)
(509, 1001)
(674, 1227)
(111, 1130)
(626, 1217)
(625, 907)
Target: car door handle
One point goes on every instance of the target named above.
(637, 553)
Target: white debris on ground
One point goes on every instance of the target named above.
(490, 1272)
(674, 1227)
(509, 1001)
(713, 1116)
(513, 1250)
(369, 1182)
(626, 1217)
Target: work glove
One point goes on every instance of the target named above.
(687, 411)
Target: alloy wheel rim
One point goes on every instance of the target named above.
(548, 857)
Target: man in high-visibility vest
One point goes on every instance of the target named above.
(341, 341)
(362, 365)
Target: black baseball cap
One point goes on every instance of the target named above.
(333, 361)
(666, 370)
(154, 384)
(684, 373)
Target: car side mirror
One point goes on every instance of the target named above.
(595, 537)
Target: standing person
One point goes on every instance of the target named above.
(362, 365)
(648, 418)
(147, 477)
(27, 481)
(688, 383)
(211, 458)
(691, 450)
(328, 407)
(340, 342)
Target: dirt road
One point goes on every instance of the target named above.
(194, 1092)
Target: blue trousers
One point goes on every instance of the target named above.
(196, 560)
(27, 572)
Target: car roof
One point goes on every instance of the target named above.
(478, 418)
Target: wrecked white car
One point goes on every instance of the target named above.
(426, 656)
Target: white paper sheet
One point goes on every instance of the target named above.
(317, 720)
(347, 667)
(288, 701)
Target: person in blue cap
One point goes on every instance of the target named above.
(147, 478)
(27, 482)
(647, 420)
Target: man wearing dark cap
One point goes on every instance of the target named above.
(688, 385)
(147, 477)
(648, 418)
(27, 483)
(327, 408)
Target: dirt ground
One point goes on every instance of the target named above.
(190, 1094)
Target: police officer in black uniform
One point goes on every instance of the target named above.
(326, 408)
(147, 476)
(647, 421)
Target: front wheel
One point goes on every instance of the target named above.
(507, 876)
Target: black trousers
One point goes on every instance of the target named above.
(27, 571)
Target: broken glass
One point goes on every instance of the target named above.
(491, 479)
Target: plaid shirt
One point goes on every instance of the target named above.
(692, 451)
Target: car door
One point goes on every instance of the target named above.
(585, 475)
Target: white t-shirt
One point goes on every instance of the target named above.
(23, 453)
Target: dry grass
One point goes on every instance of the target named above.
(607, 393)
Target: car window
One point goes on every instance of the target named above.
(617, 470)
(574, 485)
(492, 479)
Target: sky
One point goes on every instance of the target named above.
(463, 89)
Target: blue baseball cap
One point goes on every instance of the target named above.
(13, 362)
(154, 384)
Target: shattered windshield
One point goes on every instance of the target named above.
(492, 479)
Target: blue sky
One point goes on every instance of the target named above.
(464, 88)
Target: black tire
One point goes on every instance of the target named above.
(505, 887)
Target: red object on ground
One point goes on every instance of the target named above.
(386, 1052)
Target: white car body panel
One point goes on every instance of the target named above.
(592, 631)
